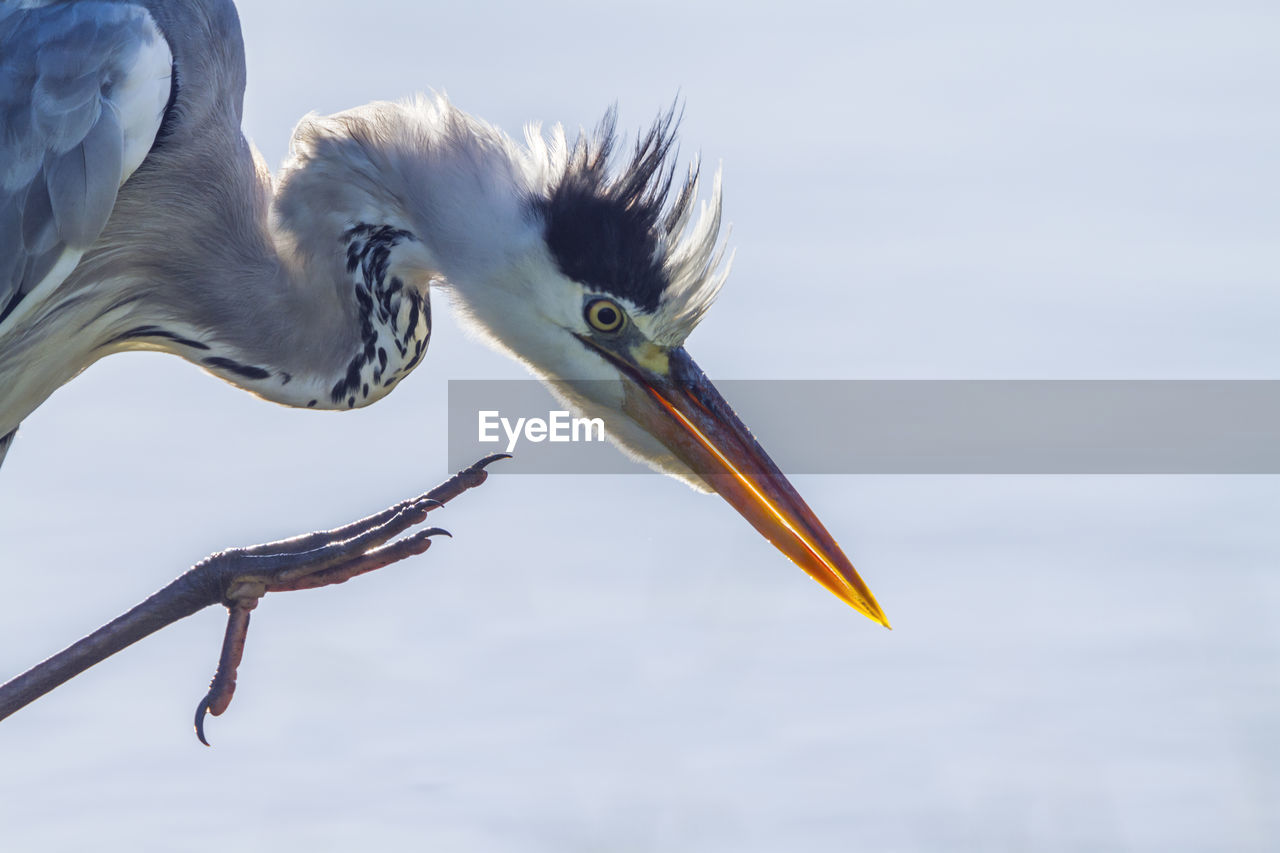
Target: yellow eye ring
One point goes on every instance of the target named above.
(604, 315)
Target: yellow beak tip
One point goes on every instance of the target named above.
(872, 611)
(879, 616)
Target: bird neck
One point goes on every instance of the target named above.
(383, 201)
(309, 293)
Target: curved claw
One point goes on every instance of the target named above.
(432, 503)
(434, 531)
(223, 685)
(489, 460)
(201, 710)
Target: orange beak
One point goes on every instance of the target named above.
(682, 409)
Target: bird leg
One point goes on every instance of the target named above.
(237, 579)
(306, 562)
(223, 686)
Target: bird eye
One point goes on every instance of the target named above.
(604, 315)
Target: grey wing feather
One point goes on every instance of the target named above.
(82, 182)
(5, 442)
(82, 94)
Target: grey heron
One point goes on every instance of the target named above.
(134, 215)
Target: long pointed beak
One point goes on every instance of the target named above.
(680, 407)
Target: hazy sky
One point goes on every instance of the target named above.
(982, 190)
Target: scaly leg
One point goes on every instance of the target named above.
(315, 560)
(306, 562)
(237, 579)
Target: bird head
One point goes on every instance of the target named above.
(594, 284)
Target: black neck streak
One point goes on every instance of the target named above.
(380, 304)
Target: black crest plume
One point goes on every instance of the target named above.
(613, 232)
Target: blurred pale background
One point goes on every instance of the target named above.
(980, 190)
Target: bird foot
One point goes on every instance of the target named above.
(315, 560)
(306, 562)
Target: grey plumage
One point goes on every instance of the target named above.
(5, 443)
(186, 241)
(62, 148)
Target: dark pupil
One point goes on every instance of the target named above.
(606, 316)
